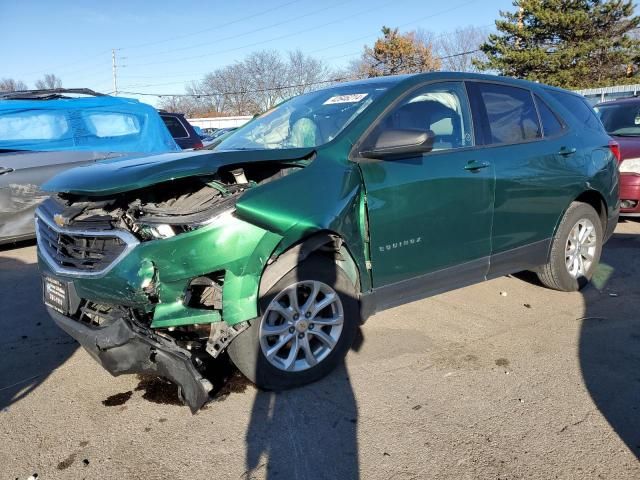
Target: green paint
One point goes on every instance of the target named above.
(407, 216)
(176, 314)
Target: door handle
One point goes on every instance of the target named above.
(474, 165)
(565, 151)
(5, 170)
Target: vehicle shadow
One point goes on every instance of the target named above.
(308, 432)
(609, 349)
(31, 346)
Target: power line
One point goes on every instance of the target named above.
(240, 92)
(300, 32)
(421, 19)
(273, 89)
(216, 27)
(231, 37)
(58, 68)
(169, 39)
(262, 42)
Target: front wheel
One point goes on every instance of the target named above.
(575, 249)
(309, 320)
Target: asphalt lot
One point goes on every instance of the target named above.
(501, 380)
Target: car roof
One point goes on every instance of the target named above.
(169, 114)
(49, 94)
(416, 78)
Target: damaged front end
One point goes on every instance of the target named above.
(159, 279)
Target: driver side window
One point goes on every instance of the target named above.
(439, 109)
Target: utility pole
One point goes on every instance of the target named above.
(115, 75)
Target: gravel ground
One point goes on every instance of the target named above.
(501, 380)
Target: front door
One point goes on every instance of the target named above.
(430, 214)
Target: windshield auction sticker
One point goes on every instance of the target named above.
(352, 98)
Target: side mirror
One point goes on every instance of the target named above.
(397, 143)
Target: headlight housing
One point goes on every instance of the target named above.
(155, 231)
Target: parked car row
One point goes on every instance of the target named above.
(43, 132)
(277, 243)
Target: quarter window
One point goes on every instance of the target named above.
(550, 124)
(509, 113)
(439, 108)
(175, 127)
(578, 107)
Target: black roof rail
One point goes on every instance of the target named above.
(48, 94)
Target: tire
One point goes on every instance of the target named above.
(247, 351)
(562, 272)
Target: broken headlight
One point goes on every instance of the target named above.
(155, 231)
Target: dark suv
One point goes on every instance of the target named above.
(330, 207)
(181, 130)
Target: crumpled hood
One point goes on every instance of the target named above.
(132, 173)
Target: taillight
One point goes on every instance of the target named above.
(615, 149)
(198, 145)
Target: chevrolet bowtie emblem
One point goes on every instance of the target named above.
(59, 219)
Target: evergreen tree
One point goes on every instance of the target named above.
(567, 43)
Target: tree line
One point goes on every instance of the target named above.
(567, 43)
(47, 82)
(265, 78)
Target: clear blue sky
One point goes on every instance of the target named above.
(163, 44)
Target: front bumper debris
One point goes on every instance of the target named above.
(122, 347)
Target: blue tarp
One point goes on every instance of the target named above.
(104, 124)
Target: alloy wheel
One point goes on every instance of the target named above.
(301, 326)
(581, 248)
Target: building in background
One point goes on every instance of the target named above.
(597, 95)
(219, 122)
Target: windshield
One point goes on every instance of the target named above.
(309, 120)
(622, 119)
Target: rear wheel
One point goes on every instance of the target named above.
(575, 250)
(309, 320)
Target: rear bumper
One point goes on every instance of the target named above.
(122, 347)
(630, 190)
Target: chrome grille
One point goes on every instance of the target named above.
(80, 252)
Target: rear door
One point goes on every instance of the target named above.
(532, 170)
(430, 212)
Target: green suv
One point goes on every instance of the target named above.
(330, 207)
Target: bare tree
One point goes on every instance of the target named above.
(305, 74)
(257, 83)
(49, 81)
(11, 85)
(181, 104)
(459, 49)
(269, 76)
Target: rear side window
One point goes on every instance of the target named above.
(34, 125)
(176, 129)
(579, 109)
(112, 124)
(550, 124)
(508, 113)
